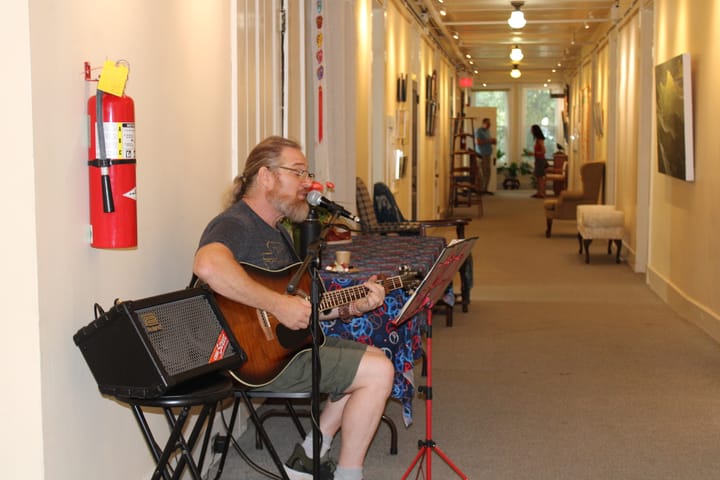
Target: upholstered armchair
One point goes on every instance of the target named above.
(565, 205)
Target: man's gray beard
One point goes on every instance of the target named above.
(296, 211)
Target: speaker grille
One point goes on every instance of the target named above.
(182, 332)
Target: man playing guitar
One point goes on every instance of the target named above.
(358, 378)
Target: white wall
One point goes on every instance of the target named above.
(180, 70)
(21, 451)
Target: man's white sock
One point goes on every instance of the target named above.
(348, 473)
(308, 445)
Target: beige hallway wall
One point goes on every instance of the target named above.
(685, 216)
(180, 71)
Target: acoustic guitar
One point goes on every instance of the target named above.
(270, 346)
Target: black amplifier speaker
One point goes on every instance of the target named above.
(142, 348)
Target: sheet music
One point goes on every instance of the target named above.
(433, 286)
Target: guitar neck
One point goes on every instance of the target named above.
(337, 298)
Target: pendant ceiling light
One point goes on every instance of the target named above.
(516, 54)
(515, 72)
(517, 17)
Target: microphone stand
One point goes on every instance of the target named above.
(311, 264)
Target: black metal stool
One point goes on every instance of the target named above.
(286, 398)
(204, 392)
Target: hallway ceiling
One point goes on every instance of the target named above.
(552, 38)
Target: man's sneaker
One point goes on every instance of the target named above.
(300, 467)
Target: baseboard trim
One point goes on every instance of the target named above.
(688, 308)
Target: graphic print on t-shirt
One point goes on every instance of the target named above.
(275, 256)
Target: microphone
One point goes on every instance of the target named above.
(316, 199)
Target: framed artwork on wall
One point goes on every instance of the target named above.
(673, 100)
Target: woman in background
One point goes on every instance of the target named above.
(540, 161)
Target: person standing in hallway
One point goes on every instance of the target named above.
(540, 161)
(357, 377)
(484, 142)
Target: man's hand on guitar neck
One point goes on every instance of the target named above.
(374, 298)
(294, 311)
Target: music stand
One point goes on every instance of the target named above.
(428, 292)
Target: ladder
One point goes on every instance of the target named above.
(465, 173)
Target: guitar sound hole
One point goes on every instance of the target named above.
(291, 339)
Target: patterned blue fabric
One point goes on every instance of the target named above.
(402, 344)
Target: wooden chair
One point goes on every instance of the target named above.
(557, 173)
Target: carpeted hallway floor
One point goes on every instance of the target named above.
(560, 370)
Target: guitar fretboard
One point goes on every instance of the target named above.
(346, 295)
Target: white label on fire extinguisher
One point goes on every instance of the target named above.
(119, 140)
(130, 194)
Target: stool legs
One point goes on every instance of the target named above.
(176, 441)
(296, 414)
(618, 245)
(585, 246)
(266, 438)
(262, 436)
(288, 411)
(203, 392)
(155, 449)
(226, 447)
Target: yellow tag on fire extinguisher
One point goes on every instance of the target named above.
(113, 78)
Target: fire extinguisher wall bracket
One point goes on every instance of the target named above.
(111, 165)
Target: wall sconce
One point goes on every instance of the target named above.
(516, 54)
(515, 72)
(517, 17)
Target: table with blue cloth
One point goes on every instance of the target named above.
(382, 255)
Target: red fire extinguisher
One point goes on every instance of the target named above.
(111, 161)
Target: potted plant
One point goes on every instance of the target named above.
(512, 172)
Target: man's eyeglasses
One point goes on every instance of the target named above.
(301, 174)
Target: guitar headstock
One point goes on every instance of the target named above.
(410, 278)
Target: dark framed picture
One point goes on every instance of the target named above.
(673, 100)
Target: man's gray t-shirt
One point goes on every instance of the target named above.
(250, 239)
(254, 242)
